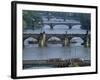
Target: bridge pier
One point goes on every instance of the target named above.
(51, 26)
(66, 42)
(87, 41)
(70, 26)
(42, 41)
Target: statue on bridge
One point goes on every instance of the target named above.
(42, 40)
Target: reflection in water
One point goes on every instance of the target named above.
(33, 52)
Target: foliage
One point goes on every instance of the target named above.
(84, 18)
(31, 19)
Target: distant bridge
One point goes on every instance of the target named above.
(52, 24)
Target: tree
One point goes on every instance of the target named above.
(84, 18)
(32, 19)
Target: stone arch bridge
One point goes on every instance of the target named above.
(52, 24)
(64, 38)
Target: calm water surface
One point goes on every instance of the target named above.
(33, 52)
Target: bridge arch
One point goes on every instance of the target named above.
(30, 40)
(46, 26)
(76, 41)
(54, 41)
(60, 26)
(76, 27)
(54, 38)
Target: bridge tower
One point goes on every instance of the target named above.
(42, 41)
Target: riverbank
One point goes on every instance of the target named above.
(55, 63)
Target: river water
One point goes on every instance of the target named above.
(33, 52)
